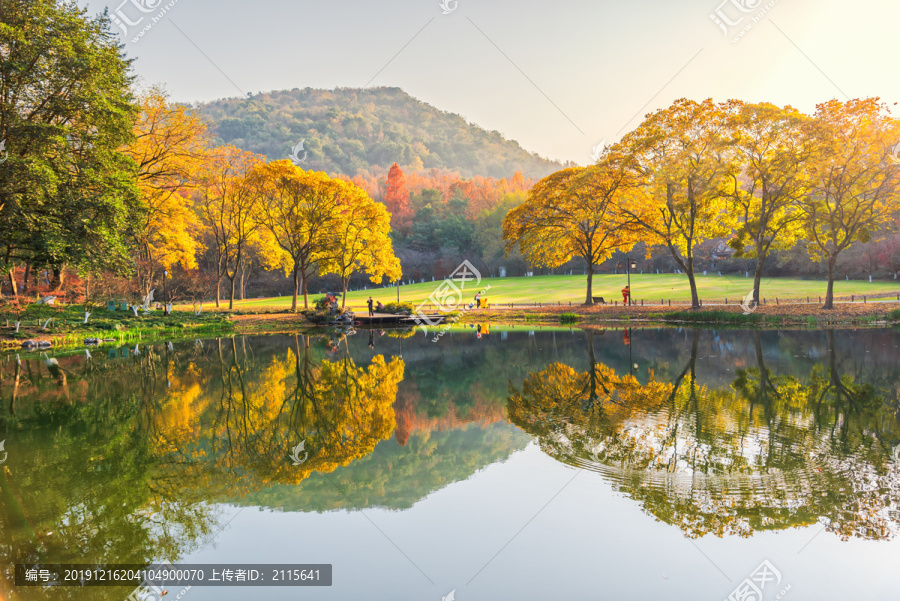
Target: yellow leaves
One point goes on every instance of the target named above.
(362, 238)
(678, 154)
(347, 412)
(169, 147)
(573, 212)
(854, 183)
(229, 204)
(586, 399)
(247, 415)
(299, 210)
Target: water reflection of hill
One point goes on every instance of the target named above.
(118, 457)
(397, 478)
(121, 456)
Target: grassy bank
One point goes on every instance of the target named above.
(66, 326)
(770, 316)
(651, 288)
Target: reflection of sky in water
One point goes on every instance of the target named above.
(590, 542)
(582, 512)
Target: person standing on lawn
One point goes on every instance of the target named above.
(371, 304)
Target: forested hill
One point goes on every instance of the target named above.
(351, 130)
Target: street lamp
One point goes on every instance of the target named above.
(629, 264)
(165, 294)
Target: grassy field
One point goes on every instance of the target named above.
(565, 289)
(67, 327)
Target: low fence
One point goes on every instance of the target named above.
(662, 302)
(809, 300)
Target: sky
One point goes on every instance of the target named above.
(560, 77)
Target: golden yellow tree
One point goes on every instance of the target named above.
(299, 209)
(855, 184)
(678, 153)
(361, 236)
(252, 416)
(769, 145)
(169, 147)
(229, 207)
(575, 212)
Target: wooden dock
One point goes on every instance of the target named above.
(388, 319)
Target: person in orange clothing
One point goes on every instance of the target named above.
(625, 294)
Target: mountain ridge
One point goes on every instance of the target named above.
(355, 131)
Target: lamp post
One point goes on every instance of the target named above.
(165, 294)
(629, 265)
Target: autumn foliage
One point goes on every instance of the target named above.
(764, 176)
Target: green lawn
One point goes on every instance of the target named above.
(565, 289)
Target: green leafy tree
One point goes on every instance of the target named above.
(66, 190)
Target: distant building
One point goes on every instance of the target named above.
(722, 251)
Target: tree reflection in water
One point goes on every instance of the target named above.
(130, 455)
(117, 460)
(768, 452)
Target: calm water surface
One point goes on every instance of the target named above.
(519, 464)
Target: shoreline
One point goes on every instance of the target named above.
(880, 313)
(184, 325)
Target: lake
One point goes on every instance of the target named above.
(518, 463)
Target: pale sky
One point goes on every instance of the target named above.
(558, 77)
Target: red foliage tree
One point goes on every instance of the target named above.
(396, 198)
(405, 411)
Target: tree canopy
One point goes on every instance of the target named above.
(67, 195)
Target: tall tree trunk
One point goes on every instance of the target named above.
(590, 284)
(687, 264)
(345, 282)
(303, 281)
(241, 289)
(829, 293)
(231, 296)
(296, 285)
(25, 279)
(689, 270)
(12, 283)
(218, 292)
(58, 278)
(695, 298)
(757, 278)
